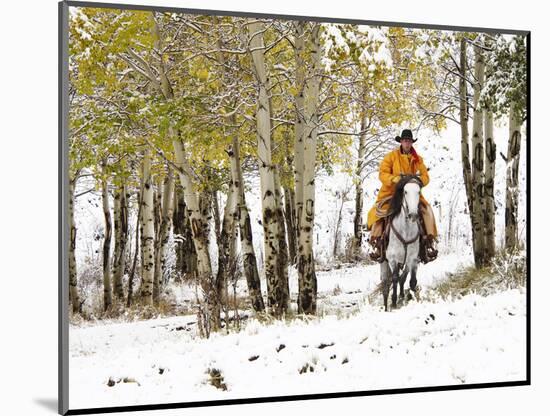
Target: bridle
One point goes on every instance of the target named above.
(405, 206)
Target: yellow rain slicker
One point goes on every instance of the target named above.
(394, 164)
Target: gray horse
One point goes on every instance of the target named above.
(404, 239)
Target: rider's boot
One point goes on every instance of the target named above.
(376, 253)
(430, 250)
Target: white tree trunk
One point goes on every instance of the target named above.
(250, 266)
(186, 258)
(512, 184)
(225, 254)
(290, 218)
(307, 280)
(138, 244)
(167, 215)
(200, 231)
(141, 228)
(299, 124)
(477, 163)
(358, 220)
(117, 233)
(465, 146)
(490, 157)
(73, 281)
(148, 235)
(167, 209)
(276, 301)
(157, 204)
(107, 290)
(121, 236)
(282, 258)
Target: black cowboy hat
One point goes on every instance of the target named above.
(405, 134)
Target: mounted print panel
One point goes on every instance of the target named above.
(260, 207)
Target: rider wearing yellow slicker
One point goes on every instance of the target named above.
(402, 161)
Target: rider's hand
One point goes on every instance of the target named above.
(396, 179)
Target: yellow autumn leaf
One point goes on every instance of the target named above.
(202, 74)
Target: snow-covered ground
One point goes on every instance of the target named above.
(353, 346)
(471, 340)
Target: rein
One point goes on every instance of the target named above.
(403, 241)
(405, 207)
(400, 237)
(384, 213)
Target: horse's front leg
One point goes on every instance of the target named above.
(385, 272)
(402, 280)
(395, 279)
(385, 278)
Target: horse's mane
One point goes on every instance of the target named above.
(397, 199)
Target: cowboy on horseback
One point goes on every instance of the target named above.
(399, 162)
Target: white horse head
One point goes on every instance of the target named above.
(411, 199)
